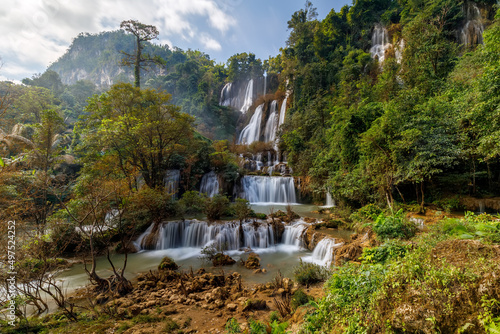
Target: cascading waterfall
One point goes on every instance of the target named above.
(323, 252)
(330, 202)
(282, 112)
(210, 184)
(198, 234)
(271, 125)
(251, 132)
(472, 32)
(265, 83)
(225, 95)
(293, 234)
(268, 189)
(172, 179)
(248, 100)
(380, 43)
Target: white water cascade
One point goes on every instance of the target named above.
(380, 42)
(225, 95)
(251, 132)
(248, 100)
(172, 179)
(268, 189)
(282, 112)
(198, 234)
(323, 252)
(272, 124)
(210, 184)
(472, 32)
(330, 202)
(293, 234)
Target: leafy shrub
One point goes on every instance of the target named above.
(367, 212)
(232, 326)
(241, 208)
(256, 327)
(216, 207)
(387, 251)
(449, 204)
(309, 273)
(299, 298)
(394, 226)
(192, 202)
(483, 226)
(278, 328)
(273, 316)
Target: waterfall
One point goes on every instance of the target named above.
(172, 179)
(210, 184)
(265, 83)
(248, 100)
(293, 234)
(330, 202)
(251, 132)
(323, 252)
(268, 189)
(380, 43)
(225, 95)
(282, 112)
(198, 234)
(472, 32)
(271, 125)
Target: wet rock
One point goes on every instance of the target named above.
(221, 259)
(253, 261)
(231, 307)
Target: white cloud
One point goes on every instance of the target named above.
(37, 32)
(210, 43)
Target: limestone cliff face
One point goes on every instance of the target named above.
(97, 58)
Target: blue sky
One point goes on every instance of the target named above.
(36, 33)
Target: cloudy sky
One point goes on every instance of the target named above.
(35, 33)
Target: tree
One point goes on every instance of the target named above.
(142, 33)
(136, 130)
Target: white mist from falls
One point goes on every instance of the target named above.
(472, 32)
(251, 132)
(210, 184)
(268, 190)
(380, 43)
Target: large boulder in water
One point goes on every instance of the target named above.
(253, 261)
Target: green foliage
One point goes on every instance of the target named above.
(192, 201)
(367, 212)
(278, 328)
(483, 226)
(394, 226)
(167, 263)
(232, 326)
(390, 250)
(242, 208)
(299, 298)
(216, 207)
(256, 327)
(309, 273)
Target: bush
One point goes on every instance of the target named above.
(299, 298)
(232, 326)
(387, 251)
(216, 207)
(367, 212)
(394, 226)
(309, 273)
(192, 202)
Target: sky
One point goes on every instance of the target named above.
(35, 33)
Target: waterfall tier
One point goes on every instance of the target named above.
(323, 252)
(210, 184)
(380, 43)
(172, 180)
(268, 189)
(271, 124)
(472, 32)
(198, 234)
(251, 132)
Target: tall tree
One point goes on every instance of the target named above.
(142, 33)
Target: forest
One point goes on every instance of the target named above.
(388, 108)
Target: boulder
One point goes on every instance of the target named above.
(253, 261)
(167, 263)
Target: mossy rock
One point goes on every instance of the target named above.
(222, 260)
(167, 263)
(253, 261)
